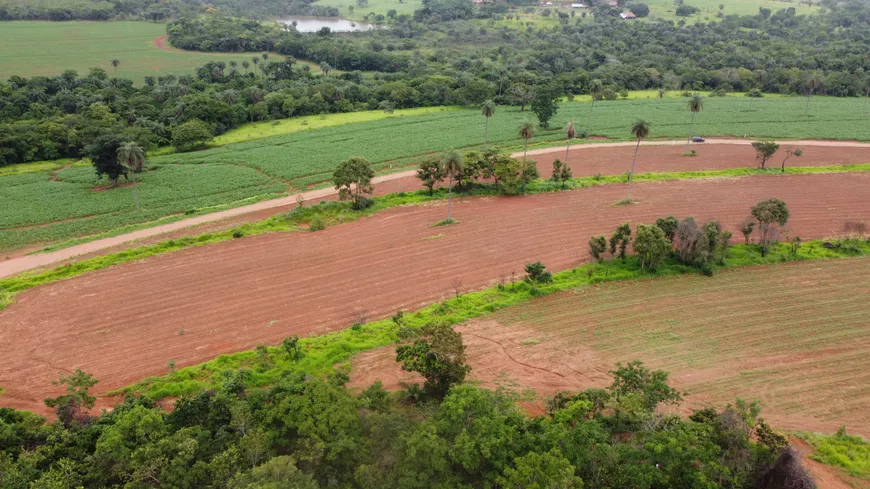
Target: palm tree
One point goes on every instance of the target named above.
(813, 83)
(246, 65)
(640, 129)
(487, 110)
(256, 62)
(570, 132)
(115, 64)
(132, 156)
(233, 63)
(696, 103)
(452, 165)
(527, 131)
(662, 93)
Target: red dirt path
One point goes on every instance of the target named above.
(125, 323)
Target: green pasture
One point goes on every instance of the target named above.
(664, 9)
(33, 48)
(374, 6)
(45, 207)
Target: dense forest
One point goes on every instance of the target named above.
(153, 10)
(307, 433)
(422, 60)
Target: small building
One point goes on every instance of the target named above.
(627, 16)
(579, 5)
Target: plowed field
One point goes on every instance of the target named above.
(127, 322)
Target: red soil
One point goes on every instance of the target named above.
(125, 323)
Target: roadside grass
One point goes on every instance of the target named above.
(273, 166)
(327, 353)
(850, 453)
(333, 213)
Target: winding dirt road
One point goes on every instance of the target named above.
(127, 322)
(585, 159)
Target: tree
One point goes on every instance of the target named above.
(549, 470)
(546, 103)
(813, 83)
(191, 135)
(275, 473)
(695, 104)
(69, 407)
(746, 228)
(246, 65)
(569, 133)
(536, 273)
(509, 173)
(103, 153)
(561, 173)
(652, 246)
(430, 173)
(771, 215)
(521, 94)
(597, 247)
(650, 386)
(452, 166)
(132, 156)
(115, 64)
(595, 91)
(668, 225)
(639, 9)
(487, 109)
(352, 179)
(527, 131)
(437, 354)
(789, 152)
(640, 129)
(324, 67)
(620, 238)
(764, 150)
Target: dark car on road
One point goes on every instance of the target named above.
(697, 139)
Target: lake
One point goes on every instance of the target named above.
(314, 24)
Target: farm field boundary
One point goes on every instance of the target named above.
(11, 285)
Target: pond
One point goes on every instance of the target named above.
(335, 24)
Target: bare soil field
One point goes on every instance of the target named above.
(795, 337)
(127, 322)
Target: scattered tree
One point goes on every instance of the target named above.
(115, 64)
(771, 215)
(789, 152)
(652, 246)
(746, 228)
(132, 157)
(437, 354)
(813, 83)
(668, 225)
(597, 247)
(352, 179)
(764, 150)
(695, 105)
(620, 238)
(191, 135)
(73, 405)
(561, 173)
(546, 103)
(536, 273)
(527, 131)
(103, 153)
(430, 173)
(452, 166)
(640, 129)
(487, 110)
(569, 134)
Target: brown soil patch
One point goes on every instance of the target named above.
(122, 323)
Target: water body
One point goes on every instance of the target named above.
(335, 24)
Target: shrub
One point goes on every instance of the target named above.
(620, 238)
(651, 246)
(686, 10)
(317, 224)
(536, 273)
(238, 233)
(293, 348)
(597, 247)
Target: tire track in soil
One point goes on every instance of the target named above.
(124, 323)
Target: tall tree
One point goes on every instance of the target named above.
(452, 166)
(695, 104)
(352, 178)
(640, 129)
(487, 110)
(570, 133)
(527, 131)
(813, 83)
(115, 64)
(132, 156)
(246, 65)
(595, 88)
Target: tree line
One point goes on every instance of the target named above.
(151, 10)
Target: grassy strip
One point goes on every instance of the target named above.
(326, 352)
(851, 453)
(331, 213)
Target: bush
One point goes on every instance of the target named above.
(193, 134)
(238, 233)
(316, 224)
(686, 10)
(536, 273)
(639, 9)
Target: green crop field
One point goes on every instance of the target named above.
(49, 206)
(49, 48)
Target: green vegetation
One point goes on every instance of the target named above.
(851, 453)
(47, 48)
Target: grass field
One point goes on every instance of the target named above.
(49, 48)
(374, 6)
(664, 9)
(264, 168)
